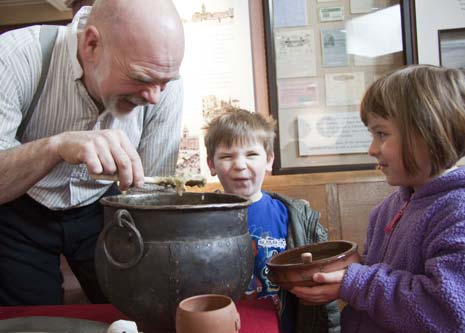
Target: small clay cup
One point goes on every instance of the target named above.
(209, 313)
(288, 269)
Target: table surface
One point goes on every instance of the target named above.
(257, 316)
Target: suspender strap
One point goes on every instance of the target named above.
(47, 37)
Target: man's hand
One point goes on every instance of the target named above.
(106, 151)
(327, 291)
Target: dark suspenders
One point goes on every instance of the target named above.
(47, 37)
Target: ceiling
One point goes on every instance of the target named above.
(58, 4)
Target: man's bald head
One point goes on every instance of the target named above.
(128, 23)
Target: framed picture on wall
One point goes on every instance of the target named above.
(217, 71)
(318, 70)
(439, 29)
(452, 47)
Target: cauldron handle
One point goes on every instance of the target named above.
(124, 220)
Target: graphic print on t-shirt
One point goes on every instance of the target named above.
(267, 220)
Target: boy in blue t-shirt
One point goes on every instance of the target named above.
(240, 152)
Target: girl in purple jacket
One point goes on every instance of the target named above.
(413, 274)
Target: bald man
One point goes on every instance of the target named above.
(111, 103)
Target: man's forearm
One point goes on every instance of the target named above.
(23, 166)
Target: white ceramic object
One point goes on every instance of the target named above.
(123, 326)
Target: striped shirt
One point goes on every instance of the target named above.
(65, 105)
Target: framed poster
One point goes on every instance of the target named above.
(452, 48)
(432, 17)
(217, 71)
(354, 43)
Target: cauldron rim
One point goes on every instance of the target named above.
(115, 201)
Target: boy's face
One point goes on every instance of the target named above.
(241, 168)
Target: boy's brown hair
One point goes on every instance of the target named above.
(239, 126)
(426, 102)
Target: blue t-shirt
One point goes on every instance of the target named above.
(268, 220)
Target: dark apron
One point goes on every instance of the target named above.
(32, 238)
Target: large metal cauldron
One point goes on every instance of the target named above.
(157, 249)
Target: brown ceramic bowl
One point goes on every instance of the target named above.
(287, 269)
(207, 313)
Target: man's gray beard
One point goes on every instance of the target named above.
(111, 107)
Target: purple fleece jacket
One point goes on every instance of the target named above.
(413, 278)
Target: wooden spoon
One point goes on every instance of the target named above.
(176, 181)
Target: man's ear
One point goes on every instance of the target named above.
(269, 162)
(91, 42)
(211, 166)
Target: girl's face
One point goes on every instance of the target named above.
(386, 147)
